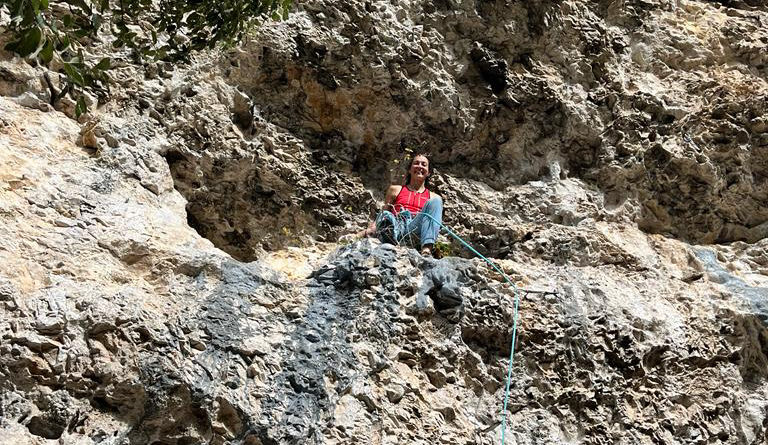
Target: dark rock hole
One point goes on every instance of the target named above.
(46, 428)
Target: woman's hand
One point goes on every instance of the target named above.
(371, 230)
(368, 231)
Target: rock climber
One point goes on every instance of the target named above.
(403, 218)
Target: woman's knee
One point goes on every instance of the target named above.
(384, 214)
(433, 201)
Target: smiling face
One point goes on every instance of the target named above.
(419, 168)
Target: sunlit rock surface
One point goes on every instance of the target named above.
(169, 272)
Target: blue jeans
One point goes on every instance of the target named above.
(406, 226)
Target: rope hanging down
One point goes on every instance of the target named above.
(516, 292)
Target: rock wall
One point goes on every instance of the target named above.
(169, 267)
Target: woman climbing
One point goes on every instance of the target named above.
(403, 218)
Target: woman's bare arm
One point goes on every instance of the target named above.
(390, 196)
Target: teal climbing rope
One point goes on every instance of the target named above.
(514, 322)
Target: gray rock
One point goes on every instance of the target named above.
(583, 146)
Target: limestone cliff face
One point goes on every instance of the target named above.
(169, 272)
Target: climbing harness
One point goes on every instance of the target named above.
(516, 292)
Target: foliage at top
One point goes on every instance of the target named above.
(56, 32)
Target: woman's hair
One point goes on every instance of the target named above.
(408, 168)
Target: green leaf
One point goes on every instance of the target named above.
(80, 106)
(96, 21)
(63, 43)
(74, 74)
(286, 8)
(67, 20)
(44, 4)
(104, 64)
(46, 54)
(28, 18)
(27, 43)
(82, 32)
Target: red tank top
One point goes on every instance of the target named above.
(410, 200)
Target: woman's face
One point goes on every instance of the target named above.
(419, 167)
